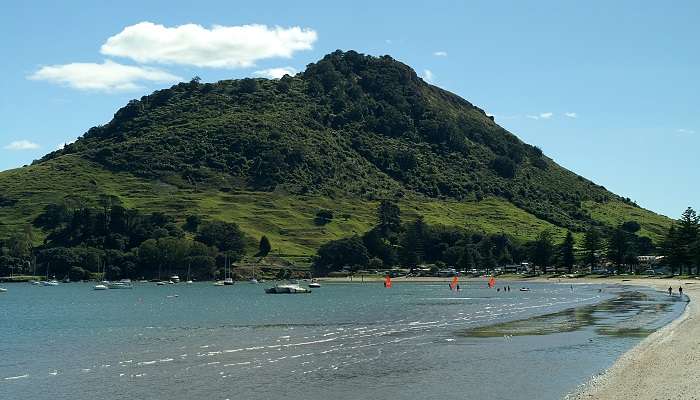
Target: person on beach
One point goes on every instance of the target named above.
(670, 291)
(680, 291)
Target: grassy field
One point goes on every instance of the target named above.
(287, 220)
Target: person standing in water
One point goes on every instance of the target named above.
(680, 291)
(670, 291)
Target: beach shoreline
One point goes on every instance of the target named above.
(664, 365)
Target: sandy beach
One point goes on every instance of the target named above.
(665, 365)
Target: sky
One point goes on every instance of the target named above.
(609, 90)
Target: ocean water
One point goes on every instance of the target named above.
(343, 341)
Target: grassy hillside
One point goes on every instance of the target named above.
(288, 220)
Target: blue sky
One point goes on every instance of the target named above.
(625, 72)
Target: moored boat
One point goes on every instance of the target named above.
(123, 284)
(287, 289)
(100, 287)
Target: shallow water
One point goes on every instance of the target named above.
(343, 341)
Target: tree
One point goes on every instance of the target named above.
(389, 217)
(264, 247)
(567, 252)
(412, 246)
(687, 235)
(543, 250)
(618, 246)
(226, 236)
(592, 244)
(337, 254)
(323, 217)
(192, 223)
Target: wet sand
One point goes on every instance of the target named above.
(665, 365)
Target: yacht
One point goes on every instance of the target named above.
(314, 284)
(122, 284)
(175, 279)
(289, 288)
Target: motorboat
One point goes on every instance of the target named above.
(524, 289)
(123, 284)
(52, 282)
(219, 283)
(189, 282)
(161, 283)
(228, 281)
(100, 287)
(3, 290)
(314, 284)
(289, 288)
(253, 281)
(175, 279)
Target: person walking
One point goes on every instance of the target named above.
(680, 291)
(670, 291)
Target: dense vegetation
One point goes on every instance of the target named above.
(121, 243)
(349, 125)
(305, 159)
(393, 243)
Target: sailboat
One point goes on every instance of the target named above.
(103, 284)
(189, 278)
(53, 281)
(228, 280)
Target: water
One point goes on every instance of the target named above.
(343, 341)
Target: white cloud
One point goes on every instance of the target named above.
(440, 54)
(275, 73)
(428, 76)
(218, 47)
(107, 77)
(571, 114)
(545, 115)
(21, 145)
(685, 131)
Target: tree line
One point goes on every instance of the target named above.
(393, 242)
(122, 243)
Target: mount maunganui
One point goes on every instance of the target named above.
(350, 130)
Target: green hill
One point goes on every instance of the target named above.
(349, 131)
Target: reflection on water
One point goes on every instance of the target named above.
(631, 313)
(414, 341)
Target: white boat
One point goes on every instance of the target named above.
(3, 290)
(100, 287)
(289, 288)
(253, 281)
(161, 283)
(52, 282)
(175, 279)
(524, 289)
(189, 282)
(123, 284)
(314, 284)
(228, 279)
(219, 283)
